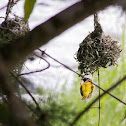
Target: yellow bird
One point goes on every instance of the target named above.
(86, 88)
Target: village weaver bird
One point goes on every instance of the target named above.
(86, 88)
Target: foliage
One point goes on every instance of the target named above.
(28, 8)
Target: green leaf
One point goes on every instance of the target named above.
(28, 8)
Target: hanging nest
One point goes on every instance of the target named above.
(12, 29)
(97, 51)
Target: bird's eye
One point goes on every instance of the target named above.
(85, 79)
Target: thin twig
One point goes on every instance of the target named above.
(3, 7)
(23, 85)
(1, 17)
(36, 54)
(43, 52)
(9, 6)
(96, 24)
(94, 107)
(109, 93)
(95, 100)
(99, 97)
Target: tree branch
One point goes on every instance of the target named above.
(23, 85)
(53, 27)
(19, 115)
(38, 55)
(43, 52)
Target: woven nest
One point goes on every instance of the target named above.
(12, 29)
(97, 51)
